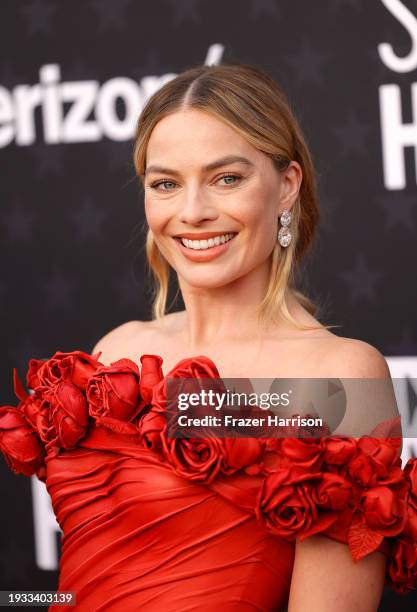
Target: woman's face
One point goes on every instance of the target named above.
(194, 187)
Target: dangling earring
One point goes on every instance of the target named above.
(284, 234)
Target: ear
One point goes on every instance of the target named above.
(291, 180)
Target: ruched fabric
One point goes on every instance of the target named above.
(154, 523)
(139, 537)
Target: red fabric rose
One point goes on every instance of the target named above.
(333, 491)
(273, 458)
(151, 426)
(375, 463)
(75, 367)
(195, 458)
(242, 453)
(113, 394)
(287, 504)
(150, 375)
(63, 418)
(31, 408)
(339, 450)
(306, 452)
(30, 403)
(410, 475)
(32, 379)
(384, 510)
(381, 511)
(20, 444)
(200, 367)
(402, 568)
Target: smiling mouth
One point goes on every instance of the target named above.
(207, 244)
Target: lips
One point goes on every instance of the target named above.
(202, 235)
(205, 255)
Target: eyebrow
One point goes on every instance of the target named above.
(218, 163)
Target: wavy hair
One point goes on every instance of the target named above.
(246, 98)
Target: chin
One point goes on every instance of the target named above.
(206, 280)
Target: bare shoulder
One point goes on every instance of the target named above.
(353, 358)
(111, 342)
(132, 337)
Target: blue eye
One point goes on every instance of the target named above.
(169, 182)
(227, 176)
(155, 185)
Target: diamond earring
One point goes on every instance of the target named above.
(284, 234)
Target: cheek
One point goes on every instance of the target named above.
(259, 216)
(156, 215)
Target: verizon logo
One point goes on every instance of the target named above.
(90, 107)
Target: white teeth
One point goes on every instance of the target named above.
(206, 244)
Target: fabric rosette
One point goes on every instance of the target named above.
(19, 440)
(70, 392)
(295, 502)
(113, 396)
(196, 458)
(307, 488)
(74, 366)
(402, 568)
(314, 484)
(20, 444)
(59, 384)
(381, 509)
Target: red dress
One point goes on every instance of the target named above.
(151, 523)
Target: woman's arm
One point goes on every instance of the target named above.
(325, 578)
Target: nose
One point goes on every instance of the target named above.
(196, 208)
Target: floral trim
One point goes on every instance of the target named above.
(306, 485)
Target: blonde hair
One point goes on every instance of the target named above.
(247, 99)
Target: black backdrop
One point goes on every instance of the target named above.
(73, 78)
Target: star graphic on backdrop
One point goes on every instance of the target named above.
(111, 14)
(16, 563)
(48, 159)
(18, 221)
(352, 136)
(361, 280)
(88, 220)
(58, 289)
(265, 7)
(185, 11)
(398, 208)
(38, 15)
(307, 64)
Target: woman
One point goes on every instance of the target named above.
(231, 203)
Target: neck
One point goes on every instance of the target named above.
(228, 313)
